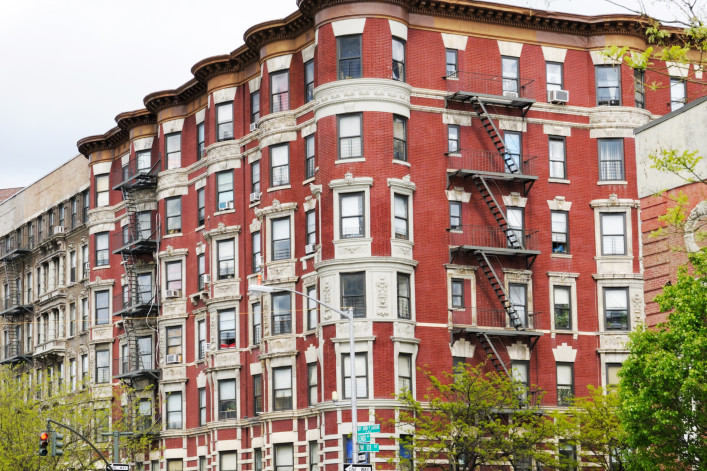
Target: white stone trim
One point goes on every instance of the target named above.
(200, 115)
(454, 41)
(278, 63)
(564, 354)
(510, 49)
(462, 348)
(124, 159)
(101, 168)
(398, 30)
(458, 194)
(559, 204)
(598, 58)
(676, 69)
(143, 143)
(350, 26)
(458, 119)
(557, 130)
(511, 124)
(225, 94)
(519, 352)
(173, 125)
(308, 130)
(515, 200)
(365, 94)
(308, 53)
(254, 83)
(554, 54)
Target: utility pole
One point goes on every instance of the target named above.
(116, 442)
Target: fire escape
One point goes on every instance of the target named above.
(13, 311)
(507, 243)
(138, 303)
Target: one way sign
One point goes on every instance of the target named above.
(358, 467)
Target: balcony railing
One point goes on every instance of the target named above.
(11, 303)
(494, 318)
(489, 161)
(130, 239)
(141, 301)
(12, 247)
(487, 84)
(129, 366)
(13, 350)
(493, 237)
(139, 170)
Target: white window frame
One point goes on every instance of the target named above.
(564, 280)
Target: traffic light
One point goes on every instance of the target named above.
(43, 444)
(57, 444)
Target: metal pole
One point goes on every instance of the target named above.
(354, 393)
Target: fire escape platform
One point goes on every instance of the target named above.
(17, 358)
(137, 182)
(14, 254)
(498, 331)
(495, 250)
(504, 176)
(147, 373)
(18, 309)
(137, 247)
(499, 100)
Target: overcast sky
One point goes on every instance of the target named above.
(68, 67)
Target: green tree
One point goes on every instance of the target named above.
(664, 379)
(471, 418)
(593, 426)
(24, 409)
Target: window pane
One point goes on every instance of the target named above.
(350, 125)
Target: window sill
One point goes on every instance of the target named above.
(346, 161)
(558, 180)
(309, 180)
(560, 255)
(102, 267)
(612, 182)
(452, 154)
(277, 188)
(200, 228)
(170, 236)
(225, 211)
(401, 162)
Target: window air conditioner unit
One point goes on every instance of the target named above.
(223, 205)
(255, 197)
(559, 96)
(174, 359)
(171, 293)
(58, 230)
(206, 279)
(253, 127)
(310, 248)
(510, 94)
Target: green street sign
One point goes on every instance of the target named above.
(369, 428)
(364, 437)
(368, 447)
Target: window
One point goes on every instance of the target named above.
(257, 323)
(200, 141)
(678, 93)
(227, 399)
(311, 220)
(557, 157)
(201, 271)
(608, 85)
(401, 216)
(84, 370)
(279, 91)
(174, 410)
(224, 121)
(84, 314)
(509, 67)
(144, 352)
(309, 167)
(348, 448)
(40, 229)
(311, 384)
(361, 376)
(312, 314)
(84, 260)
(512, 141)
(514, 235)
(350, 131)
(102, 307)
(565, 383)
(404, 372)
(174, 276)
(102, 366)
(611, 159)
(173, 149)
(313, 456)
(519, 372)
(201, 207)
(404, 296)
(174, 214)
(452, 61)
(348, 54)
(227, 328)
(174, 465)
(280, 165)
(452, 138)
(613, 233)
(282, 388)
(72, 374)
(72, 319)
(400, 138)
(568, 456)
(202, 406)
(457, 293)
(281, 238)
(553, 72)
(308, 81)
(398, 59)
(255, 177)
(616, 308)
(281, 313)
(102, 190)
(226, 259)
(284, 458)
(228, 461)
(563, 312)
(353, 292)
(255, 106)
(612, 373)
(518, 297)
(352, 215)
(455, 215)
(202, 463)
(62, 211)
(257, 258)
(257, 394)
(201, 339)
(72, 266)
(174, 341)
(224, 190)
(560, 232)
(102, 251)
(639, 88)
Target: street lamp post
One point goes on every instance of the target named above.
(262, 289)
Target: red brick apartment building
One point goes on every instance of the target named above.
(462, 174)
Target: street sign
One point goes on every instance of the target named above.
(368, 447)
(362, 458)
(119, 467)
(369, 428)
(358, 467)
(364, 437)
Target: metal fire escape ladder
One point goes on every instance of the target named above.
(129, 263)
(498, 288)
(492, 353)
(494, 134)
(497, 212)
